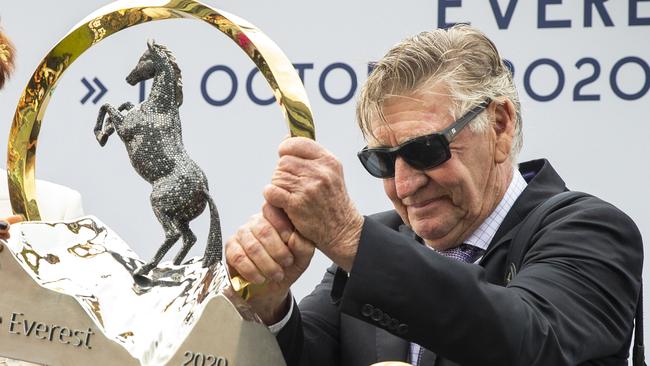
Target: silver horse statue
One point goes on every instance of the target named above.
(151, 132)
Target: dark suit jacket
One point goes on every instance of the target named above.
(571, 303)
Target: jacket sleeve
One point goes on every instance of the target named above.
(311, 337)
(573, 299)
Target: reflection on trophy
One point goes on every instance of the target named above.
(73, 297)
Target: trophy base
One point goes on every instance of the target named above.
(10, 362)
(68, 298)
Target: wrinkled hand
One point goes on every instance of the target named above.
(6, 223)
(308, 185)
(267, 250)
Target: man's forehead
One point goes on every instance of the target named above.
(428, 95)
(411, 115)
(389, 135)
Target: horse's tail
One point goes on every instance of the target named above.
(213, 251)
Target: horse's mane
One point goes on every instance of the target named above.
(177, 71)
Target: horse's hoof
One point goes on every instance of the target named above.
(140, 277)
(142, 281)
(101, 138)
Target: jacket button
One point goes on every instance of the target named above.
(393, 325)
(385, 321)
(377, 315)
(402, 329)
(366, 310)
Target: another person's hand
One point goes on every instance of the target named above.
(6, 223)
(308, 185)
(268, 250)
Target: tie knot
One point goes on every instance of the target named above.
(464, 253)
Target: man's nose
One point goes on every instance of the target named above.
(407, 179)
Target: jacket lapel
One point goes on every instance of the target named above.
(543, 182)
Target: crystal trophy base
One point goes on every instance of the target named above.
(68, 297)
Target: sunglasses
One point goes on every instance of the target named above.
(424, 152)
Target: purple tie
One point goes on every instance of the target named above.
(464, 253)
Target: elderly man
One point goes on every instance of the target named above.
(425, 283)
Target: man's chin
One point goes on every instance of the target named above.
(435, 237)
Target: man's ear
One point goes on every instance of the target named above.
(505, 118)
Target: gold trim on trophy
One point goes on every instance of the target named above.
(120, 15)
(267, 56)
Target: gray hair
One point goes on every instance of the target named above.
(461, 57)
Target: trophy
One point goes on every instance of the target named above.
(74, 293)
(152, 135)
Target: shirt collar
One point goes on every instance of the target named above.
(482, 236)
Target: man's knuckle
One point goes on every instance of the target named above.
(331, 161)
(284, 162)
(264, 232)
(241, 231)
(253, 249)
(314, 189)
(328, 180)
(238, 259)
(230, 244)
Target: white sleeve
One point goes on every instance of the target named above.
(74, 207)
(277, 327)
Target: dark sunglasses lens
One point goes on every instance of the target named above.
(378, 163)
(427, 153)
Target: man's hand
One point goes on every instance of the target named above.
(6, 223)
(308, 185)
(268, 250)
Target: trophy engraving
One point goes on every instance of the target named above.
(151, 132)
(20, 324)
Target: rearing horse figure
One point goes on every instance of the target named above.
(151, 132)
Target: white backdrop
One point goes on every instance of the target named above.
(582, 69)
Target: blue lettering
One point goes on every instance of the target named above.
(353, 83)
(560, 82)
(249, 89)
(613, 78)
(633, 17)
(442, 12)
(204, 85)
(542, 22)
(503, 21)
(600, 8)
(301, 70)
(510, 67)
(143, 91)
(577, 95)
(371, 67)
